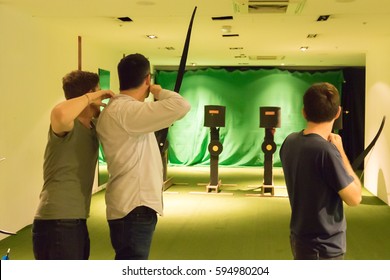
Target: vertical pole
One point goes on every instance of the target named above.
(268, 169)
(268, 147)
(79, 49)
(268, 158)
(214, 170)
(214, 133)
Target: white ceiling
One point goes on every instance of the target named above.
(342, 40)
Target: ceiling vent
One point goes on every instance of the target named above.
(268, 6)
(230, 35)
(266, 57)
(222, 18)
(323, 18)
(125, 19)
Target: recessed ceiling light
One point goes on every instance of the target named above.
(226, 28)
(311, 36)
(152, 36)
(303, 48)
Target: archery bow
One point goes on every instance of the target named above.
(162, 134)
(358, 161)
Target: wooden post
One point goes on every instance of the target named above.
(79, 52)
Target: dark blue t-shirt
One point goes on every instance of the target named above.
(314, 174)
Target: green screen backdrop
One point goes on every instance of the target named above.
(104, 82)
(242, 93)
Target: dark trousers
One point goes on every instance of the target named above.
(131, 236)
(60, 239)
(304, 251)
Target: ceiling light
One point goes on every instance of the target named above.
(152, 36)
(226, 28)
(311, 36)
(303, 48)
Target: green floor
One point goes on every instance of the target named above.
(236, 223)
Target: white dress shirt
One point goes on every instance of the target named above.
(126, 130)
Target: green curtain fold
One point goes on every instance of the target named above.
(242, 92)
(104, 82)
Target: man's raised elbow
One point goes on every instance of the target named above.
(185, 109)
(354, 202)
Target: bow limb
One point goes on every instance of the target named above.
(162, 134)
(7, 232)
(359, 160)
(183, 59)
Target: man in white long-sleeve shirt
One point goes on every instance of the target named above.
(126, 130)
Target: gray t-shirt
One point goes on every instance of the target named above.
(69, 168)
(314, 174)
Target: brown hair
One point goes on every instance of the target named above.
(78, 82)
(132, 70)
(321, 102)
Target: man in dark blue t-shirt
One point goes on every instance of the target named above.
(319, 178)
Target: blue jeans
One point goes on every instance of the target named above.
(131, 236)
(65, 239)
(304, 251)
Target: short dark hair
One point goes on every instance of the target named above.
(78, 82)
(321, 102)
(132, 70)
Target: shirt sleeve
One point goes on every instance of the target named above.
(337, 175)
(143, 117)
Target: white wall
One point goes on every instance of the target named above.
(34, 56)
(377, 164)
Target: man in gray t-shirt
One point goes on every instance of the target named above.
(319, 178)
(59, 227)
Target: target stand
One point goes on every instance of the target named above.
(269, 119)
(168, 182)
(214, 117)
